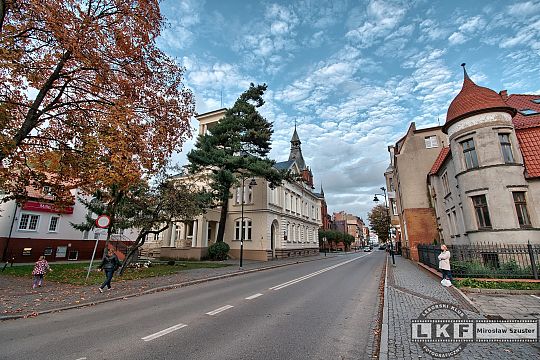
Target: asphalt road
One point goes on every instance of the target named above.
(316, 310)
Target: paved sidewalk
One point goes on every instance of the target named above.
(410, 290)
(18, 299)
(507, 306)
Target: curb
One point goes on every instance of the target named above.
(157, 289)
(383, 344)
(500, 291)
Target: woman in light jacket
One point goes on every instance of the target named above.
(444, 263)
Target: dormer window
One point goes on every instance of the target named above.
(528, 112)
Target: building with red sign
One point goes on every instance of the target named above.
(36, 227)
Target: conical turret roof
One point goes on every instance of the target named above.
(473, 100)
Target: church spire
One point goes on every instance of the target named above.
(296, 150)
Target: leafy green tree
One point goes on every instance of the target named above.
(236, 147)
(336, 237)
(380, 222)
(148, 209)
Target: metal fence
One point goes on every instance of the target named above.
(517, 261)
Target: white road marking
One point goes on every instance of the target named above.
(297, 280)
(223, 308)
(537, 297)
(83, 358)
(163, 332)
(253, 296)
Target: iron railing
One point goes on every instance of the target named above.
(517, 261)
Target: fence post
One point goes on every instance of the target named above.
(533, 262)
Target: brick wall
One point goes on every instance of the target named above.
(421, 228)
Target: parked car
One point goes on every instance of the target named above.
(367, 248)
(382, 247)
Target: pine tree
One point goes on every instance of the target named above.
(236, 147)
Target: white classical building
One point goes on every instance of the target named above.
(279, 222)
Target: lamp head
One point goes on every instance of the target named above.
(376, 199)
(252, 182)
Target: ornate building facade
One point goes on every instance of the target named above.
(476, 179)
(278, 222)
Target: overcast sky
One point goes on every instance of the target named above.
(354, 74)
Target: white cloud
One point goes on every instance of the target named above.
(379, 19)
(183, 18)
(524, 9)
(432, 30)
(468, 28)
(260, 41)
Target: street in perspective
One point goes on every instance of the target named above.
(279, 313)
(333, 179)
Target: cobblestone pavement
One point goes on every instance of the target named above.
(18, 298)
(410, 290)
(507, 306)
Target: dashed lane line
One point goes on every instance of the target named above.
(254, 296)
(163, 332)
(217, 311)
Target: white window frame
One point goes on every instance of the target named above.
(248, 229)
(28, 221)
(55, 225)
(431, 142)
(445, 183)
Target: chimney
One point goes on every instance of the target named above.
(504, 94)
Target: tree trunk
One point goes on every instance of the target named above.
(32, 118)
(3, 10)
(129, 257)
(223, 219)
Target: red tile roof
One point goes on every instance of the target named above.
(445, 151)
(529, 142)
(521, 102)
(474, 99)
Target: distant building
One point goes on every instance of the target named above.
(352, 225)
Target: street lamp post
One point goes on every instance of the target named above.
(376, 200)
(251, 183)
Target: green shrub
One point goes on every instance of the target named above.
(218, 251)
(509, 269)
(171, 262)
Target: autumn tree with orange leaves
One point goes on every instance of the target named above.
(86, 97)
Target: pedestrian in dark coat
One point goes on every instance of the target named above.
(109, 265)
